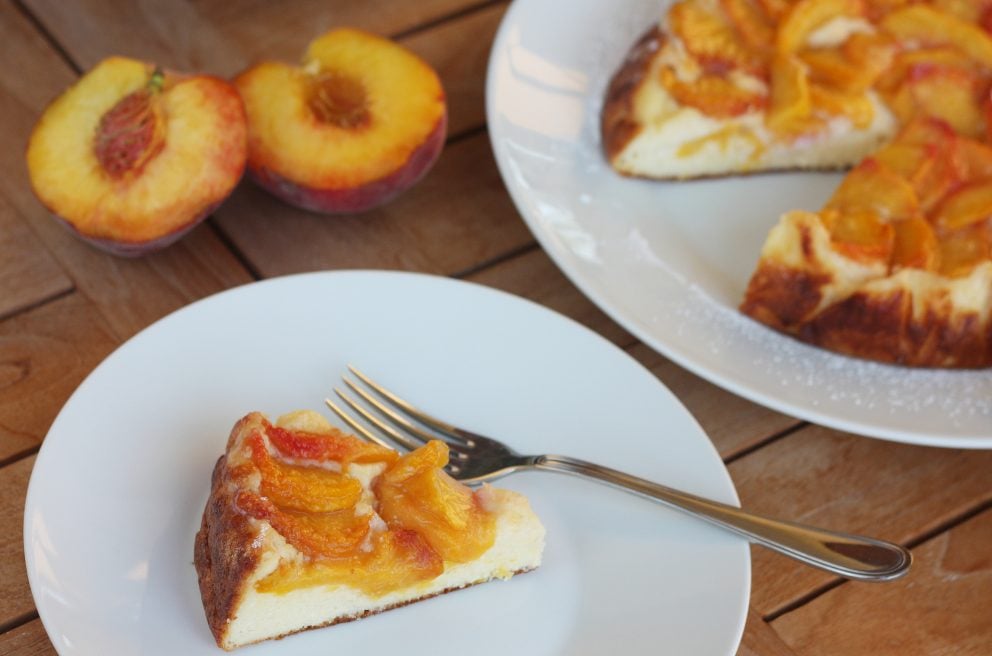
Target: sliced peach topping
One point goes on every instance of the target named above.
(711, 39)
(416, 494)
(904, 62)
(790, 97)
(873, 187)
(713, 95)
(860, 234)
(966, 206)
(807, 15)
(856, 107)
(915, 245)
(973, 159)
(949, 94)
(972, 11)
(296, 487)
(751, 23)
(931, 27)
(962, 250)
(775, 9)
(334, 445)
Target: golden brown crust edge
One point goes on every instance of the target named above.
(873, 326)
(618, 124)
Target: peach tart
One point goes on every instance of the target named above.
(897, 266)
(306, 526)
(132, 157)
(358, 121)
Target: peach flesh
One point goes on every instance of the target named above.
(361, 198)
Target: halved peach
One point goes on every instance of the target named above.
(360, 121)
(966, 206)
(915, 244)
(131, 157)
(806, 15)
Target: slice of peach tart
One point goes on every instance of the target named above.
(306, 527)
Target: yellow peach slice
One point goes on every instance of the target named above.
(856, 107)
(920, 24)
(790, 97)
(860, 234)
(711, 39)
(873, 187)
(807, 15)
(949, 94)
(965, 206)
(713, 95)
(751, 23)
(915, 245)
(362, 120)
(962, 250)
(131, 157)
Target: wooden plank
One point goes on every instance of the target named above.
(733, 423)
(760, 639)
(534, 276)
(15, 594)
(27, 640)
(130, 293)
(941, 608)
(28, 273)
(893, 491)
(44, 355)
(218, 36)
(458, 216)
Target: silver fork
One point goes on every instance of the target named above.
(476, 458)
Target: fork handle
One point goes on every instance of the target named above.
(850, 556)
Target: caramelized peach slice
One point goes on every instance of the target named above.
(415, 494)
(751, 23)
(921, 24)
(831, 67)
(856, 107)
(318, 535)
(710, 38)
(807, 15)
(775, 9)
(904, 62)
(790, 97)
(713, 95)
(873, 187)
(972, 11)
(860, 234)
(336, 446)
(949, 94)
(915, 245)
(966, 206)
(296, 487)
(973, 159)
(962, 250)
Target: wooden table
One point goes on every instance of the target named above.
(64, 306)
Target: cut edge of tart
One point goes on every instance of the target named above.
(307, 527)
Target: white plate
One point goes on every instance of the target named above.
(122, 477)
(671, 261)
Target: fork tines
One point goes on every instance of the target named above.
(393, 418)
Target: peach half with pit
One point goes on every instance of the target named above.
(361, 120)
(132, 157)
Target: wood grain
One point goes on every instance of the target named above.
(941, 608)
(15, 594)
(216, 36)
(849, 483)
(129, 293)
(44, 354)
(456, 218)
(28, 273)
(28, 639)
